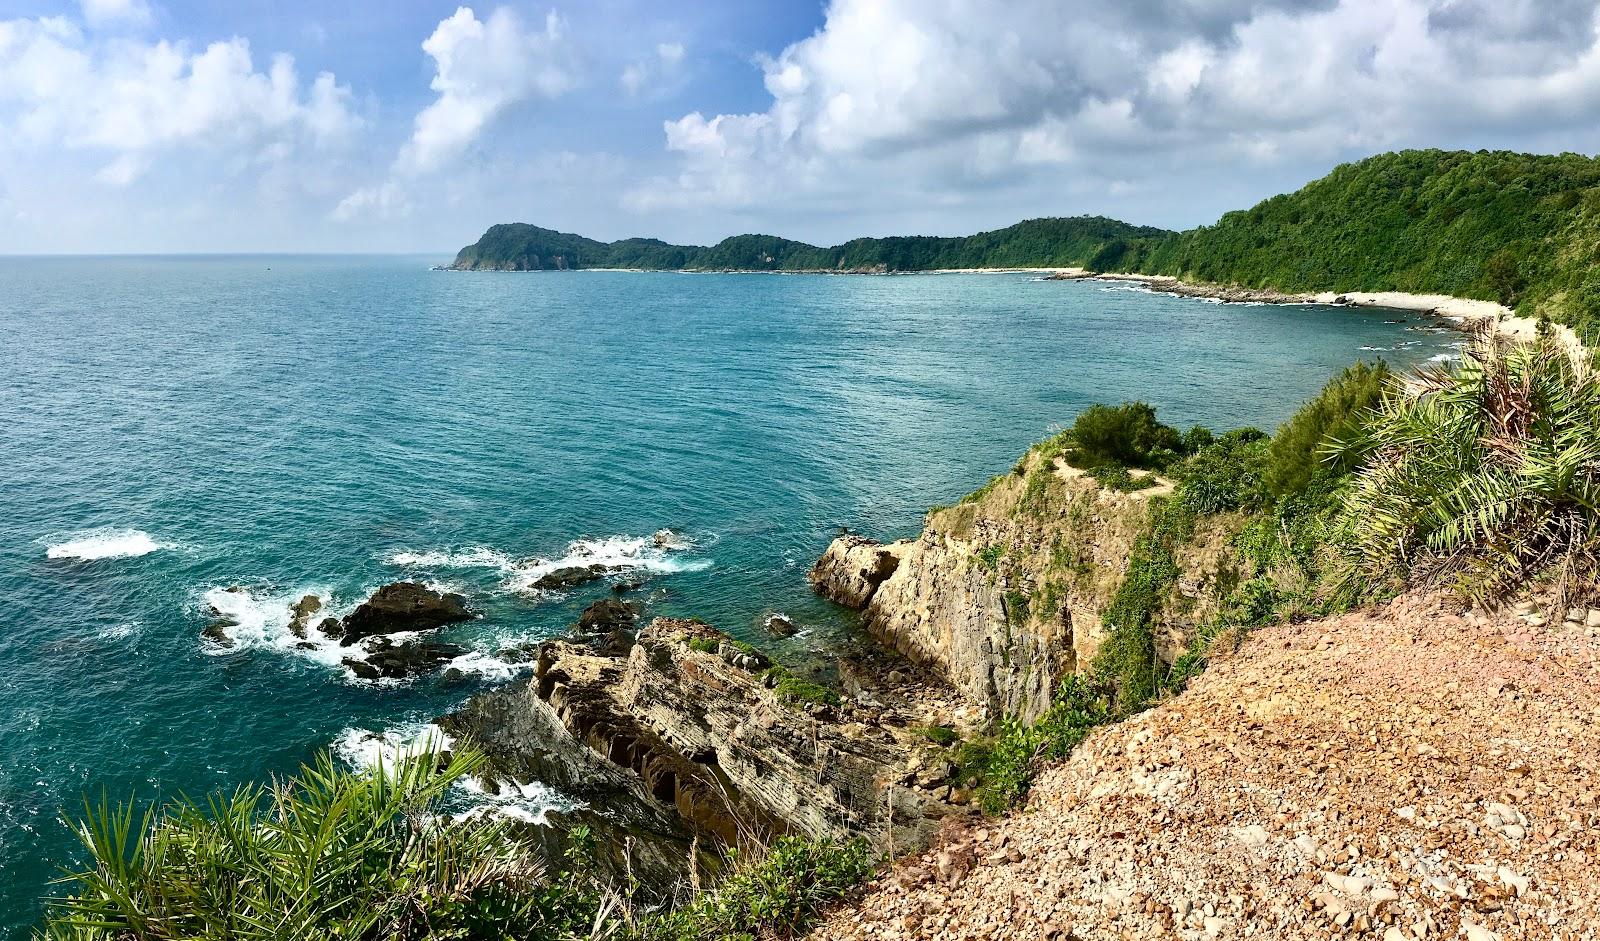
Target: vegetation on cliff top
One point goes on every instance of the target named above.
(1518, 229)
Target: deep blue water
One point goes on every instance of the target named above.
(287, 425)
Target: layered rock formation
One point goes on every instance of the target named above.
(690, 724)
(1002, 594)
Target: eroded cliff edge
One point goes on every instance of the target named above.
(1005, 593)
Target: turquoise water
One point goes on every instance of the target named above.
(286, 425)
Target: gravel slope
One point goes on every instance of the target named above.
(1404, 773)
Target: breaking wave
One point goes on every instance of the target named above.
(106, 544)
(659, 553)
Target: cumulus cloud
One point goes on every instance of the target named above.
(481, 68)
(134, 102)
(657, 74)
(903, 98)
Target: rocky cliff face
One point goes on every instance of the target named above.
(689, 730)
(1002, 594)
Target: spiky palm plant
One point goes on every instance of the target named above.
(329, 853)
(1485, 474)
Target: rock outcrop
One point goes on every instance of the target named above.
(683, 723)
(403, 606)
(1002, 594)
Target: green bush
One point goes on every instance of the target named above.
(797, 691)
(942, 735)
(1300, 449)
(1004, 767)
(1127, 435)
(773, 895)
(329, 853)
(1487, 474)
(1225, 474)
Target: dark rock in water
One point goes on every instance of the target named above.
(608, 614)
(399, 661)
(362, 669)
(453, 677)
(626, 586)
(780, 626)
(572, 576)
(404, 606)
(217, 633)
(331, 627)
(300, 614)
(520, 654)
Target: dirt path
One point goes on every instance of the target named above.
(1409, 773)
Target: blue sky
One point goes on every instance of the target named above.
(163, 125)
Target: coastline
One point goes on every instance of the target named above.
(1460, 311)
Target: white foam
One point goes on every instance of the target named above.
(375, 751)
(486, 666)
(471, 557)
(106, 544)
(261, 621)
(622, 553)
(119, 631)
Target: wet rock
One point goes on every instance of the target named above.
(608, 614)
(331, 627)
(780, 625)
(565, 579)
(401, 661)
(300, 614)
(404, 606)
(217, 633)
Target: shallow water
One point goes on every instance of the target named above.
(173, 427)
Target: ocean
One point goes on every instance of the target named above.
(185, 433)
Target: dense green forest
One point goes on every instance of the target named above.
(1520, 229)
(1034, 243)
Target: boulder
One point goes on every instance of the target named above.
(565, 579)
(300, 614)
(779, 625)
(217, 633)
(851, 569)
(392, 661)
(608, 614)
(403, 606)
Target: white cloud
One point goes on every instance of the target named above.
(654, 75)
(104, 13)
(134, 103)
(481, 68)
(904, 100)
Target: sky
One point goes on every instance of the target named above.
(394, 126)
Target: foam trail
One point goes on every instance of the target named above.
(106, 544)
(622, 553)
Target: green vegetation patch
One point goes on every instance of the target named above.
(797, 691)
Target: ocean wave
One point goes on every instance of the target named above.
(260, 620)
(365, 750)
(1444, 357)
(659, 553)
(487, 666)
(119, 631)
(106, 543)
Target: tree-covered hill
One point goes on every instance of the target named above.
(1034, 243)
(1519, 229)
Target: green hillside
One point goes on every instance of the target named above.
(1520, 229)
(1034, 243)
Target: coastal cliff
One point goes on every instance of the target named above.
(1005, 593)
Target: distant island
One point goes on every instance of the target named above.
(1518, 229)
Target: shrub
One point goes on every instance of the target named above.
(797, 691)
(1126, 434)
(1300, 449)
(329, 853)
(775, 894)
(1226, 474)
(942, 735)
(1005, 767)
(1487, 474)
